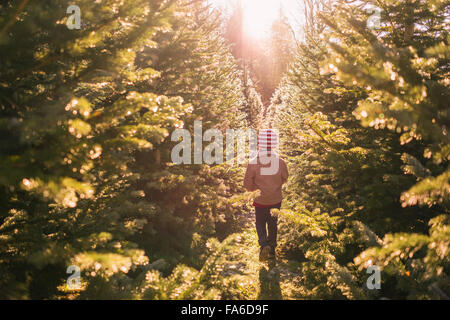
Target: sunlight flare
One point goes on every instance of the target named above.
(259, 16)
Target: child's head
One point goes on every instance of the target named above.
(267, 151)
(267, 140)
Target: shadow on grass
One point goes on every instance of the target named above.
(269, 282)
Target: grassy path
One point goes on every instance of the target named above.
(243, 276)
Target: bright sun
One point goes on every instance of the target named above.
(259, 16)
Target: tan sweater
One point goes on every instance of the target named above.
(270, 185)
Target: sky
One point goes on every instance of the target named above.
(259, 14)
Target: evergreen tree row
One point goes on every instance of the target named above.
(86, 116)
(363, 113)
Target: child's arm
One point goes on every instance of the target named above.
(249, 179)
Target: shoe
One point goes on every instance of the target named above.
(264, 254)
(272, 254)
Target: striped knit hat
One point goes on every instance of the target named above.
(267, 140)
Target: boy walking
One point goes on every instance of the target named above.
(267, 172)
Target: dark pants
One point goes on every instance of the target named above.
(266, 226)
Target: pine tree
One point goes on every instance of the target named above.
(87, 116)
(351, 178)
(404, 67)
(57, 84)
(281, 47)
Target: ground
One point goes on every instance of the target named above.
(243, 276)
